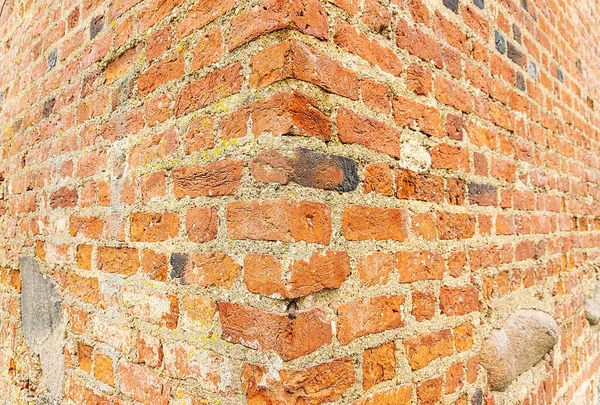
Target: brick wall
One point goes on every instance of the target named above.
(296, 201)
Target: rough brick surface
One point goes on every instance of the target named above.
(299, 201)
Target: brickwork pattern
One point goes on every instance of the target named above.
(299, 201)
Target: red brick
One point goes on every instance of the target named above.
(90, 227)
(289, 337)
(417, 266)
(153, 186)
(201, 224)
(450, 94)
(367, 316)
(422, 350)
(296, 60)
(158, 43)
(149, 350)
(155, 265)
(153, 227)
(424, 305)
(118, 260)
(376, 95)
(151, 305)
(455, 226)
(368, 132)
(458, 300)
(212, 87)
(61, 198)
(202, 13)
(418, 116)
(208, 49)
(347, 37)
(418, 79)
(430, 391)
(279, 220)
(264, 274)
(379, 179)
(371, 223)
(122, 64)
(454, 378)
(199, 135)
(215, 179)
(321, 383)
(154, 147)
(379, 364)
(142, 384)
(444, 156)
(306, 16)
(160, 73)
(418, 43)
(393, 396)
(375, 268)
(211, 269)
(104, 369)
(419, 186)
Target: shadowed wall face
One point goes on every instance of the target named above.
(299, 202)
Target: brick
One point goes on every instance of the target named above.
(458, 300)
(160, 73)
(118, 260)
(445, 156)
(264, 274)
(154, 147)
(149, 350)
(307, 168)
(454, 378)
(430, 391)
(62, 198)
(212, 87)
(370, 223)
(347, 37)
(424, 226)
(202, 13)
(198, 308)
(84, 257)
(419, 186)
(199, 135)
(159, 109)
(367, 316)
(296, 60)
(85, 289)
(153, 186)
(424, 305)
(450, 94)
(455, 226)
(349, 6)
(306, 16)
(279, 220)
(201, 224)
(215, 179)
(418, 79)
(417, 116)
(90, 227)
(483, 194)
(314, 385)
(418, 43)
(379, 364)
(120, 67)
(422, 350)
(259, 330)
(208, 49)
(158, 43)
(155, 265)
(153, 227)
(393, 396)
(84, 356)
(375, 95)
(103, 369)
(143, 385)
(368, 132)
(211, 269)
(375, 268)
(378, 178)
(151, 304)
(418, 266)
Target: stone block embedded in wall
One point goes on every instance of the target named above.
(525, 338)
(43, 327)
(592, 306)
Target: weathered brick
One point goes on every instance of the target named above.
(118, 260)
(259, 330)
(143, 385)
(370, 223)
(379, 364)
(422, 350)
(368, 132)
(279, 220)
(417, 266)
(153, 227)
(215, 179)
(208, 269)
(296, 60)
(369, 315)
(458, 300)
(418, 116)
(419, 186)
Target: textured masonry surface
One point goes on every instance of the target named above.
(299, 202)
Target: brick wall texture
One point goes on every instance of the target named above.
(298, 201)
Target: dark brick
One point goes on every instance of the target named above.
(524, 4)
(178, 263)
(579, 65)
(532, 70)
(479, 3)
(515, 55)
(477, 398)
(517, 34)
(559, 75)
(96, 25)
(307, 168)
(52, 59)
(451, 4)
(48, 107)
(500, 42)
(520, 81)
(482, 194)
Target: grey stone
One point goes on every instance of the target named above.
(500, 42)
(479, 3)
(451, 4)
(532, 70)
(520, 81)
(96, 25)
(52, 59)
(560, 76)
(43, 327)
(524, 340)
(592, 306)
(477, 398)
(178, 263)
